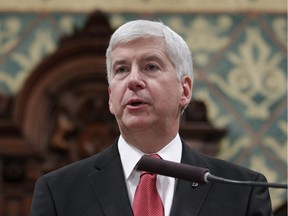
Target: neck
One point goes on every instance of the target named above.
(149, 141)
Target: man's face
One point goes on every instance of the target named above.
(144, 91)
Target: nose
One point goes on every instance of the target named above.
(135, 81)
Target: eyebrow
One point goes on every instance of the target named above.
(119, 62)
(155, 58)
(158, 58)
(146, 59)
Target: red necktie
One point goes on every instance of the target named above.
(147, 201)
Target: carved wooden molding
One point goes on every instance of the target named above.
(63, 81)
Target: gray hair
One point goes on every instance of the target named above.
(178, 51)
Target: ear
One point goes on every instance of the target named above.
(186, 84)
(109, 102)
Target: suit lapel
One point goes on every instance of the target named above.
(188, 200)
(110, 188)
(109, 184)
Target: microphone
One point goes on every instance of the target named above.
(172, 169)
(192, 173)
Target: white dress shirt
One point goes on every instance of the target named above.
(130, 155)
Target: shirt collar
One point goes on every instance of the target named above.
(130, 155)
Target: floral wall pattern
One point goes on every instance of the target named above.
(240, 67)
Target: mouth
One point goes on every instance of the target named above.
(135, 103)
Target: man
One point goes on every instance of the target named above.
(149, 70)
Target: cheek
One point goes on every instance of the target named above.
(169, 94)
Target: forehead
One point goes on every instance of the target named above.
(140, 45)
(136, 39)
(144, 43)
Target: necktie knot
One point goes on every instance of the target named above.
(156, 156)
(151, 175)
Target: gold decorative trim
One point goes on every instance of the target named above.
(146, 6)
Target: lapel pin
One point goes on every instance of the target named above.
(194, 184)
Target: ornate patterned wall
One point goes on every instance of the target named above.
(240, 64)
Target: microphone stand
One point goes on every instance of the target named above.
(211, 178)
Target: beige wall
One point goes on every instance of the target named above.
(146, 5)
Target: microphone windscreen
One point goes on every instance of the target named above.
(172, 169)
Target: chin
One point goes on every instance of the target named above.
(138, 125)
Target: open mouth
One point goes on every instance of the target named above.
(136, 103)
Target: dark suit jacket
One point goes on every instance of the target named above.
(96, 186)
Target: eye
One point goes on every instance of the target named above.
(121, 69)
(151, 67)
